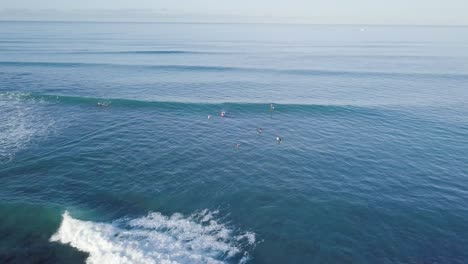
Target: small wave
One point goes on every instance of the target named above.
(13, 41)
(162, 52)
(203, 68)
(155, 238)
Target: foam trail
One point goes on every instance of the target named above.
(156, 238)
(20, 123)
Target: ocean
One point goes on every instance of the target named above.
(113, 148)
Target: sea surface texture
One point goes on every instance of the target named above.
(113, 148)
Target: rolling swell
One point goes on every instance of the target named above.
(186, 106)
(201, 68)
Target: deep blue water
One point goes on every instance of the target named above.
(372, 167)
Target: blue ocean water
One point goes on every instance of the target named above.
(372, 167)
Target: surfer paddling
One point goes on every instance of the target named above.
(278, 140)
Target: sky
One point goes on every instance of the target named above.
(407, 12)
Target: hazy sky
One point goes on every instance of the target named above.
(304, 11)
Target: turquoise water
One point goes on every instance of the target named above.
(372, 167)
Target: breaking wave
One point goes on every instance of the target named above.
(155, 238)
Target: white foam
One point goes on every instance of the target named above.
(156, 238)
(21, 121)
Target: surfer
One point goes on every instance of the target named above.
(259, 130)
(103, 104)
(278, 140)
(223, 114)
(237, 145)
(272, 108)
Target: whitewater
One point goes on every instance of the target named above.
(155, 238)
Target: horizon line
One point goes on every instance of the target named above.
(233, 23)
